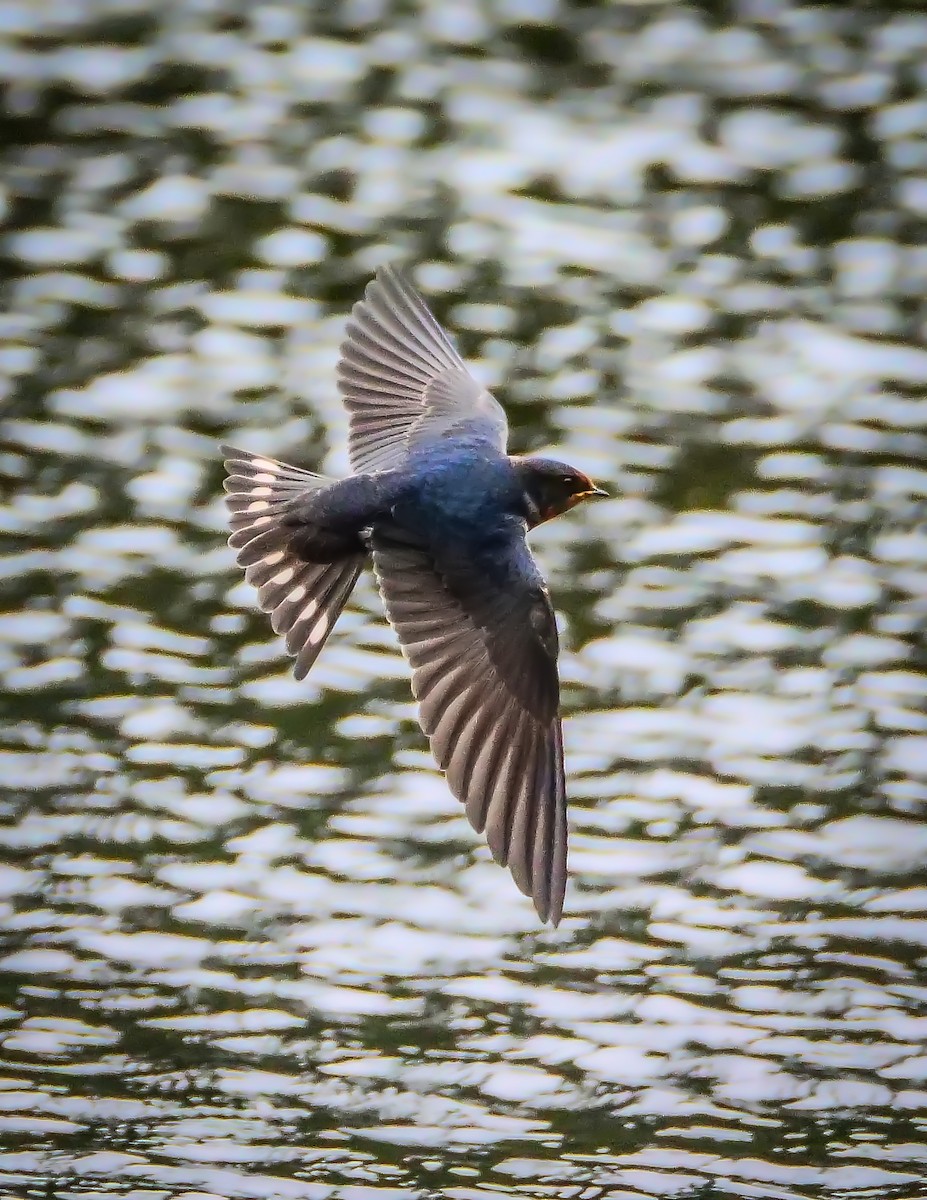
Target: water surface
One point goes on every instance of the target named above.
(251, 946)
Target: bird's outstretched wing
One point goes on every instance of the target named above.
(402, 381)
(482, 643)
(304, 599)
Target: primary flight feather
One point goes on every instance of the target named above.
(441, 511)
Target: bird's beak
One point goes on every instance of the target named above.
(588, 494)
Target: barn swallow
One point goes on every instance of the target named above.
(441, 510)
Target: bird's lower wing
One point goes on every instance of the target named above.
(489, 714)
(304, 599)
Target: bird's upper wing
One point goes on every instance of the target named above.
(403, 382)
(482, 641)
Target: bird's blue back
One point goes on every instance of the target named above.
(461, 490)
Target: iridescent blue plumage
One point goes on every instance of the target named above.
(441, 511)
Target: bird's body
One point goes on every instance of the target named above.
(339, 516)
(461, 493)
(441, 511)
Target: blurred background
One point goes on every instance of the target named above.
(251, 947)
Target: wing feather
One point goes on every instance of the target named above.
(503, 756)
(402, 381)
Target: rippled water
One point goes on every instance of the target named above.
(251, 946)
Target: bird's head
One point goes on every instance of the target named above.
(551, 487)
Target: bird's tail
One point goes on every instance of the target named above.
(304, 599)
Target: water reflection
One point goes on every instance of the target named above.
(251, 948)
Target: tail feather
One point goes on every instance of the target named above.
(304, 599)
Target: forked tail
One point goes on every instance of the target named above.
(304, 599)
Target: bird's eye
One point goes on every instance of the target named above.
(567, 480)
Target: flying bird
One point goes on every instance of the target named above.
(441, 511)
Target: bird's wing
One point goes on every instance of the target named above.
(304, 599)
(482, 643)
(403, 382)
